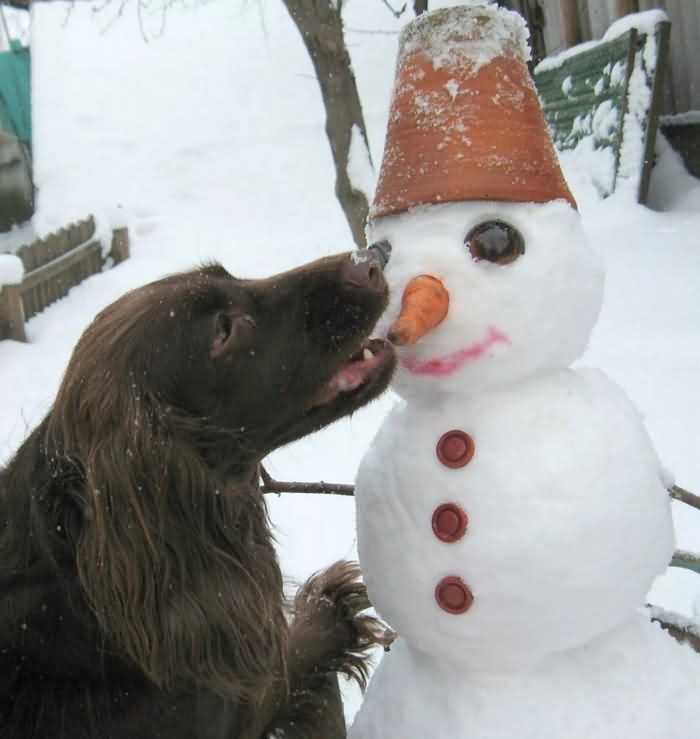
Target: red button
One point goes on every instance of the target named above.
(455, 448)
(453, 596)
(449, 522)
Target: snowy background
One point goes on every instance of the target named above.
(209, 141)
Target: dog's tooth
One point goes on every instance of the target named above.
(367, 353)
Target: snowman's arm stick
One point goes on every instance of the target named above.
(395, 13)
(680, 628)
(686, 560)
(324, 488)
(685, 496)
(329, 488)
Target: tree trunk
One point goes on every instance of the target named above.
(420, 6)
(321, 27)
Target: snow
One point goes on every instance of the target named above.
(485, 34)
(19, 236)
(691, 626)
(589, 169)
(554, 62)
(618, 73)
(605, 120)
(14, 25)
(11, 270)
(671, 186)
(360, 170)
(211, 137)
(624, 685)
(638, 104)
(644, 22)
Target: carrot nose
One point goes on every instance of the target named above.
(423, 307)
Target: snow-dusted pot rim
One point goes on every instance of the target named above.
(465, 121)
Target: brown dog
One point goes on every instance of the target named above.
(140, 594)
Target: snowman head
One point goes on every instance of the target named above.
(491, 277)
(512, 289)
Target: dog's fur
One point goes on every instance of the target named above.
(140, 593)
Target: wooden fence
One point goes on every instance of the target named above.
(53, 265)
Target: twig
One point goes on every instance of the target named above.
(682, 629)
(271, 485)
(685, 496)
(686, 560)
(395, 13)
(323, 488)
(371, 31)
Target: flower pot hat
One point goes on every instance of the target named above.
(465, 122)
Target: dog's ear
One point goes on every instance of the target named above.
(176, 564)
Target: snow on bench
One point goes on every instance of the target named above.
(604, 97)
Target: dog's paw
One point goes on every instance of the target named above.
(329, 609)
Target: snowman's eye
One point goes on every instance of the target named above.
(495, 241)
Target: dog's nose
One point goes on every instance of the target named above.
(363, 270)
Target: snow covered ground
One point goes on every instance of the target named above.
(209, 140)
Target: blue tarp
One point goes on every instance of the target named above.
(15, 92)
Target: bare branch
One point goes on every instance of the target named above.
(69, 12)
(324, 488)
(139, 15)
(143, 10)
(686, 560)
(685, 496)
(682, 629)
(117, 15)
(395, 13)
(682, 558)
(371, 31)
(320, 488)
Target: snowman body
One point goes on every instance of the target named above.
(634, 682)
(566, 519)
(511, 512)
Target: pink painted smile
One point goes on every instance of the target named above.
(444, 366)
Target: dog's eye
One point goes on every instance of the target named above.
(495, 241)
(231, 330)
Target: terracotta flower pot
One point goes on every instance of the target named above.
(465, 121)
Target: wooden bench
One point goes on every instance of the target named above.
(611, 92)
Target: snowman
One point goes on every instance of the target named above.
(511, 511)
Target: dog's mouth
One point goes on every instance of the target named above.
(368, 369)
